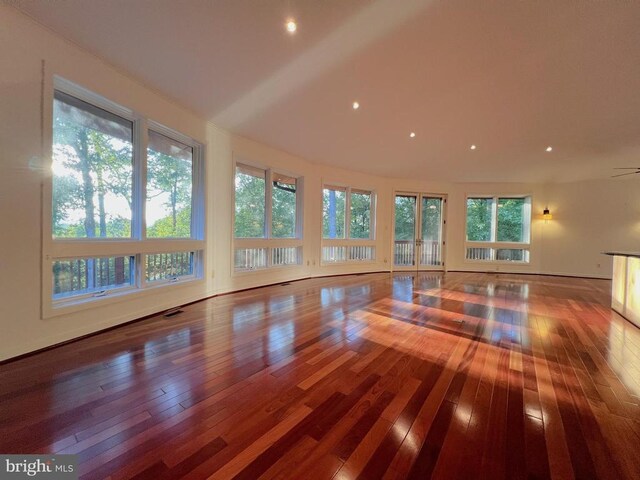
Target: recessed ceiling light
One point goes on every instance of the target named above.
(356, 105)
(412, 134)
(549, 148)
(291, 26)
(472, 147)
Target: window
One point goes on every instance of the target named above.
(498, 229)
(267, 219)
(169, 266)
(169, 187)
(92, 164)
(347, 218)
(91, 276)
(250, 202)
(333, 212)
(283, 205)
(103, 161)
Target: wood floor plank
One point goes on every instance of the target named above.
(394, 376)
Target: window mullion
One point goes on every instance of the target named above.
(347, 214)
(268, 202)
(494, 220)
(140, 140)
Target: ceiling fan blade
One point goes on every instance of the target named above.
(623, 174)
(626, 168)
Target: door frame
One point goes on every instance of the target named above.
(418, 232)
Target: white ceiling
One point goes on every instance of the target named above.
(509, 76)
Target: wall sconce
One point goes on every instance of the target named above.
(546, 214)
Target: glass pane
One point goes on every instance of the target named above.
(283, 209)
(405, 228)
(250, 258)
(361, 253)
(285, 256)
(479, 213)
(511, 220)
(163, 266)
(431, 219)
(474, 253)
(333, 212)
(250, 202)
(169, 187)
(334, 254)
(92, 167)
(405, 224)
(360, 222)
(91, 275)
(512, 255)
(431, 231)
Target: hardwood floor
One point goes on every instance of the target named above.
(374, 376)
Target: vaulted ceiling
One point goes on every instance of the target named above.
(511, 77)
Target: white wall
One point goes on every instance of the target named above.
(588, 217)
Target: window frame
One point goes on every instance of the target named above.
(347, 242)
(267, 242)
(138, 245)
(494, 245)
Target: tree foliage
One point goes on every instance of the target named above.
(283, 210)
(360, 221)
(510, 219)
(89, 166)
(333, 213)
(250, 206)
(405, 213)
(170, 177)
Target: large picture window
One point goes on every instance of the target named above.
(122, 189)
(498, 228)
(267, 219)
(169, 187)
(347, 224)
(92, 165)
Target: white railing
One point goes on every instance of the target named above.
(85, 275)
(161, 266)
(250, 258)
(362, 253)
(479, 253)
(403, 253)
(405, 250)
(334, 253)
(285, 256)
(493, 254)
(512, 255)
(431, 254)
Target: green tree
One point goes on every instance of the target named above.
(360, 221)
(333, 213)
(250, 206)
(405, 213)
(479, 214)
(172, 176)
(283, 209)
(101, 163)
(511, 220)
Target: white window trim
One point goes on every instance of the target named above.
(493, 243)
(267, 241)
(136, 246)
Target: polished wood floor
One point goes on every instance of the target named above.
(372, 376)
